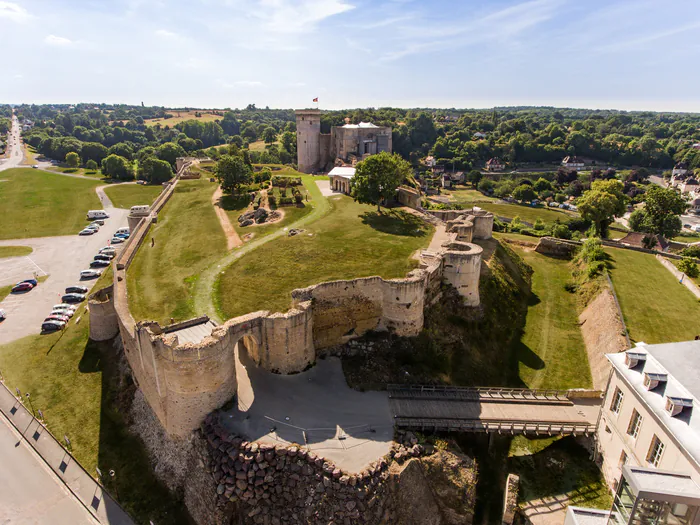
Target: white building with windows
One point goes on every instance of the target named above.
(649, 416)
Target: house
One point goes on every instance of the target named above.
(479, 135)
(649, 417)
(690, 186)
(573, 162)
(680, 169)
(341, 178)
(429, 161)
(495, 164)
(636, 239)
(695, 206)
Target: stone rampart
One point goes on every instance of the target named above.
(104, 323)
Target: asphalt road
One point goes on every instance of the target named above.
(14, 147)
(29, 492)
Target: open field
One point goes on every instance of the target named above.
(29, 155)
(14, 251)
(73, 381)
(128, 195)
(188, 237)
(528, 213)
(259, 145)
(465, 196)
(39, 204)
(352, 240)
(551, 352)
(96, 174)
(181, 116)
(657, 309)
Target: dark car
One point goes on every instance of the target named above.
(77, 289)
(52, 325)
(33, 282)
(22, 287)
(103, 257)
(73, 298)
(99, 263)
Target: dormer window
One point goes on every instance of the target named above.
(676, 405)
(652, 380)
(632, 358)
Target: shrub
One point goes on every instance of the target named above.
(649, 242)
(298, 197)
(272, 200)
(691, 251)
(539, 224)
(561, 231)
(689, 267)
(499, 226)
(284, 201)
(91, 165)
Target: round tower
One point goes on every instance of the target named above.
(308, 139)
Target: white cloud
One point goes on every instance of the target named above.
(164, 33)
(58, 41)
(13, 12)
(297, 16)
(18, 76)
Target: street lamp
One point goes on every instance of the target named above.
(29, 398)
(113, 475)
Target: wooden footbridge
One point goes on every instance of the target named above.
(502, 410)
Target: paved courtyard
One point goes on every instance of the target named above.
(315, 408)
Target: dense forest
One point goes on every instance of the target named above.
(463, 139)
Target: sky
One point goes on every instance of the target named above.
(631, 54)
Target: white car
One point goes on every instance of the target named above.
(87, 231)
(3, 315)
(65, 306)
(67, 313)
(108, 250)
(116, 240)
(90, 274)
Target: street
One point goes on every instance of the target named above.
(14, 145)
(29, 492)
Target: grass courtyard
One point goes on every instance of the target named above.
(187, 238)
(550, 352)
(527, 213)
(128, 195)
(38, 204)
(657, 309)
(15, 251)
(352, 240)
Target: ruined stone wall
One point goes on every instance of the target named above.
(409, 197)
(104, 324)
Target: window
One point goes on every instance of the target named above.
(623, 459)
(617, 401)
(655, 452)
(635, 424)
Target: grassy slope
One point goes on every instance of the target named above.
(259, 145)
(184, 115)
(39, 204)
(468, 196)
(351, 241)
(689, 238)
(551, 352)
(235, 206)
(188, 237)
(657, 309)
(96, 174)
(527, 213)
(14, 251)
(128, 195)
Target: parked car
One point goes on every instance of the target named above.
(122, 235)
(67, 313)
(93, 227)
(104, 256)
(52, 326)
(109, 250)
(57, 317)
(117, 240)
(99, 222)
(99, 263)
(87, 231)
(97, 214)
(73, 298)
(22, 287)
(77, 289)
(3, 315)
(90, 274)
(33, 282)
(65, 306)
(125, 229)
(35, 166)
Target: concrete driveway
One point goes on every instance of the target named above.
(61, 258)
(315, 409)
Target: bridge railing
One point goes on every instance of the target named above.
(499, 426)
(475, 393)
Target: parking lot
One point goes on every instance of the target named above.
(62, 259)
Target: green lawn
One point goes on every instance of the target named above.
(5, 291)
(352, 240)
(551, 351)
(259, 145)
(468, 197)
(39, 204)
(527, 213)
(96, 174)
(657, 309)
(128, 195)
(14, 251)
(188, 237)
(689, 238)
(73, 381)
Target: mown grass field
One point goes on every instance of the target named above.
(72, 380)
(39, 204)
(656, 308)
(188, 237)
(15, 251)
(527, 213)
(128, 195)
(259, 145)
(96, 174)
(181, 116)
(352, 240)
(551, 352)
(687, 237)
(468, 196)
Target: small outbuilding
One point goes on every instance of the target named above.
(341, 178)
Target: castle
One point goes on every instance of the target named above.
(317, 152)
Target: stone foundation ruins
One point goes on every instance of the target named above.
(184, 381)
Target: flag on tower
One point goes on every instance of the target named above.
(316, 99)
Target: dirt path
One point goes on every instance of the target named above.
(232, 238)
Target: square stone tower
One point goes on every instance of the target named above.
(308, 139)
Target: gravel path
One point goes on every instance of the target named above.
(233, 240)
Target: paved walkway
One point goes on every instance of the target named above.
(68, 475)
(232, 238)
(325, 187)
(682, 278)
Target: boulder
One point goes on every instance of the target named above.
(260, 215)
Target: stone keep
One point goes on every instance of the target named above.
(308, 140)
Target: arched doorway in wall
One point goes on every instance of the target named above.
(249, 345)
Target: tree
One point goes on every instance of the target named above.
(94, 151)
(117, 167)
(232, 171)
(689, 267)
(542, 185)
(91, 165)
(663, 209)
(602, 203)
(485, 186)
(638, 221)
(72, 159)
(269, 135)
(474, 176)
(377, 177)
(289, 141)
(169, 152)
(524, 193)
(155, 171)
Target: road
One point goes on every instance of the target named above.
(29, 492)
(14, 143)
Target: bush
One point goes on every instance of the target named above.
(285, 201)
(91, 165)
(515, 225)
(485, 186)
(499, 226)
(539, 224)
(561, 231)
(689, 267)
(272, 200)
(691, 251)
